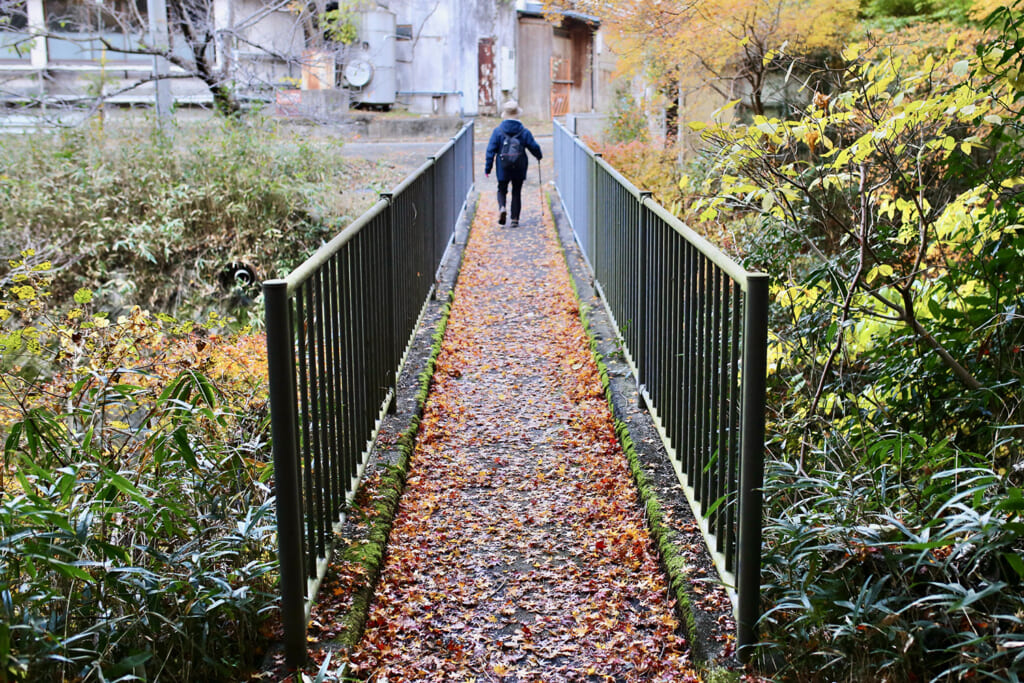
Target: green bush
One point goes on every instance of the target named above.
(888, 214)
(136, 524)
(154, 216)
(627, 122)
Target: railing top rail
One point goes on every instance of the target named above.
(618, 177)
(734, 270)
(448, 145)
(307, 268)
(411, 178)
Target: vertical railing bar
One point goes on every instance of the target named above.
(714, 414)
(690, 410)
(667, 351)
(643, 294)
(310, 463)
(330, 404)
(701, 367)
(678, 333)
(342, 283)
(351, 377)
(642, 291)
(722, 487)
(322, 408)
(734, 427)
(382, 376)
(660, 348)
(391, 258)
(357, 308)
(616, 260)
(307, 399)
(708, 358)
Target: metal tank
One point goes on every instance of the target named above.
(370, 68)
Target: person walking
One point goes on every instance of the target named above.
(507, 147)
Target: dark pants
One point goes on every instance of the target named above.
(517, 196)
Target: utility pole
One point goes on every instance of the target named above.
(160, 39)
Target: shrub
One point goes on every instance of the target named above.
(905, 566)
(627, 120)
(888, 213)
(155, 216)
(135, 518)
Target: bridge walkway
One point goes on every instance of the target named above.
(520, 550)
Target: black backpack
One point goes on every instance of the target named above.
(511, 153)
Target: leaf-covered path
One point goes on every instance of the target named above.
(519, 552)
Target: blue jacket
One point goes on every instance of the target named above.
(511, 127)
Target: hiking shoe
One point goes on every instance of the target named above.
(515, 223)
(501, 217)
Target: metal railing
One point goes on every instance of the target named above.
(338, 331)
(694, 327)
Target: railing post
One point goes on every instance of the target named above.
(642, 355)
(748, 575)
(394, 353)
(593, 247)
(287, 486)
(435, 229)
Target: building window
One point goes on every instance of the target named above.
(13, 16)
(90, 30)
(96, 16)
(403, 31)
(15, 41)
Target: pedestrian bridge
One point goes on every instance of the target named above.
(692, 327)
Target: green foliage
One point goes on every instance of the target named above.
(627, 120)
(878, 571)
(136, 525)
(153, 217)
(889, 214)
(340, 24)
(897, 12)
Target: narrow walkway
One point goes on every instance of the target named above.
(519, 552)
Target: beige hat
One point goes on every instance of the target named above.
(511, 110)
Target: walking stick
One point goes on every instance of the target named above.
(540, 189)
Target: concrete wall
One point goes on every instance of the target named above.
(279, 32)
(604, 74)
(437, 65)
(536, 42)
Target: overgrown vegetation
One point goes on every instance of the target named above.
(136, 517)
(889, 213)
(887, 210)
(164, 218)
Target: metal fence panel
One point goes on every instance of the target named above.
(338, 330)
(694, 326)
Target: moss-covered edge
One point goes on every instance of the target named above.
(665, 538)
(370, 553)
